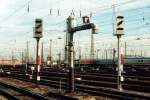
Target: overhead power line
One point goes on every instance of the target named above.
(17, 10)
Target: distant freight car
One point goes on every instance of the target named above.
(131, 64)
(137, 61)
(130, 61)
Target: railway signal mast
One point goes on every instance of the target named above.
(119, 33)
(37, 34)
(71, 29)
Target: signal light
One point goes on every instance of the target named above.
(38, 28)
(85, 19)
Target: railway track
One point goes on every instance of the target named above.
(112, 93)
(17, 93)
(103, 91)
(101, 77)
(133, 87)
(13, 92)
(110, 77)
(7, 95)
(103, 80)
(130, 83)
(97, 74)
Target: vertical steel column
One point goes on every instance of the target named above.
(71, 63)
(66, 50)
(71, 23)
(92, 47)
(72, 28)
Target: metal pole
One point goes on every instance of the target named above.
(79, 56)
(13, 59)
(42, 54)
(37, 63)
(125, 49)
(22, 57)
(114, 53)
(92, 47)
(72, 27)
(37, 36)
(119, 64)
(59, 61)
(71, 63)
(66, 50)
(98, 53)
(59, 55)
(27, 59)
(106, 57)
(51, 51)
(60, 86)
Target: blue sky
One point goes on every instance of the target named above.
(16, 24)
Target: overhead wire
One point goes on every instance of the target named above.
(52, 24)
(14, 12)
(28, 4)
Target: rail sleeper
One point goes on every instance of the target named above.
(24, 91)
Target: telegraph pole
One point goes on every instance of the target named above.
(119, 33)
(37, 36)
